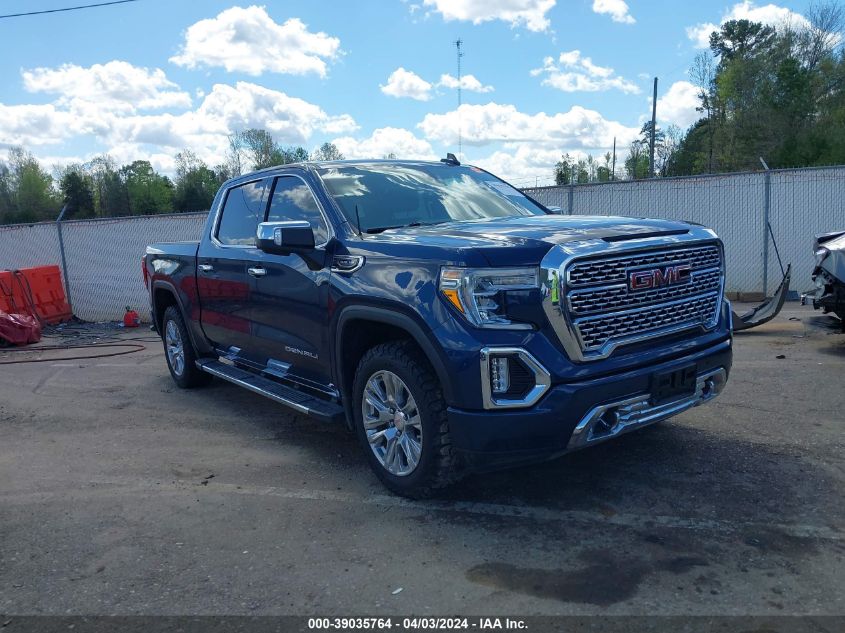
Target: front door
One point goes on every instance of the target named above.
(290, 292)
(223, 283)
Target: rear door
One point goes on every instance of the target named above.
(290, 294)
(222, 262)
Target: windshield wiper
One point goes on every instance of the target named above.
(381, 229)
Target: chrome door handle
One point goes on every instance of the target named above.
(257, 272)
(205, 268)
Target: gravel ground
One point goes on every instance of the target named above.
(121, 494)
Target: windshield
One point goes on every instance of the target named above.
(391, 195)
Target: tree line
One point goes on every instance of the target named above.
(101, 188)
(776, 93)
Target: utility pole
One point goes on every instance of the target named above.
(458, 44)
(653, 127)
(613, 169)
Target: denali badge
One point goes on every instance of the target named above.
(659, 277)
(301, 352)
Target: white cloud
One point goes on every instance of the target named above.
(247, 40)
(116, 85)
(699, 34)
(526, 166)
(467, 82)
(577, 73)
(229, 108)
(616, 9)
(405, 83)
(579, 128)
(384, 141)
(35, 125)
(126, 153)
(678, 105)
(528, 13)
(204, 130)
(770, 14)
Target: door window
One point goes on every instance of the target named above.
(293, 200)
(242, 211)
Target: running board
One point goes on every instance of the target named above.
(296, 400)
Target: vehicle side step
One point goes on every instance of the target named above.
(297, 400)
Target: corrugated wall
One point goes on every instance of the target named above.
(803, 204)
(103, 257)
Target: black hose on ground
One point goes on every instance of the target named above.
(133, 347)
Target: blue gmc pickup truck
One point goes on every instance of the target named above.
(452, 322)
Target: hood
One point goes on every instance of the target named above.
(524, 240)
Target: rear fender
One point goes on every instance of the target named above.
(198, 340)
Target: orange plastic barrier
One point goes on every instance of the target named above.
(39, 288)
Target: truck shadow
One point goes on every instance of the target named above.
(671, 468)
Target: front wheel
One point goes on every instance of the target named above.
(181, 358)
(401, 420)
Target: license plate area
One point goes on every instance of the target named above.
(667, 386)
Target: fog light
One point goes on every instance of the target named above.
(609, 419)
(499, 374)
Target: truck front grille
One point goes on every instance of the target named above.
(604, 271)
(605, 311)
(608, 298)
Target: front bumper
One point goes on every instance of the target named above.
(570, 415)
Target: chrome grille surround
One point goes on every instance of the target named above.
(588, 303)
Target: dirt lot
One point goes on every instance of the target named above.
(120, 493)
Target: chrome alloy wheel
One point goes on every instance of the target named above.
(175, 347)
(392, 423)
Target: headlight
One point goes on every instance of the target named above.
(479, 293)
(820, 255)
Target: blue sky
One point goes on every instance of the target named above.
(541, 77)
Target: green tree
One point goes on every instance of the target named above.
(32, 189)
(771, 92)
(196, 184)
(77, 189)
(148, 191)
(111, 198)
(327, 151)
(740, 38)
(294, 155)
(564, 169)
(636, 163)
(261, 150)
(7, 194)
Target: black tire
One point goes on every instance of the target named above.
(437, 466)
(190, 376)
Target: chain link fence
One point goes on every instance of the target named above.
(798, 204)
(103, 256)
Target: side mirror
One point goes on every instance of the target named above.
(555, 210)
(285, 237)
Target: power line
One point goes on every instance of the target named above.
(84, 6)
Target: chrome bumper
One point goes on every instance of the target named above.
(612, 419)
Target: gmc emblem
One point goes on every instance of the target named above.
(659, 277)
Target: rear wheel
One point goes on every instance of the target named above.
(181, 358)
(401, 420)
